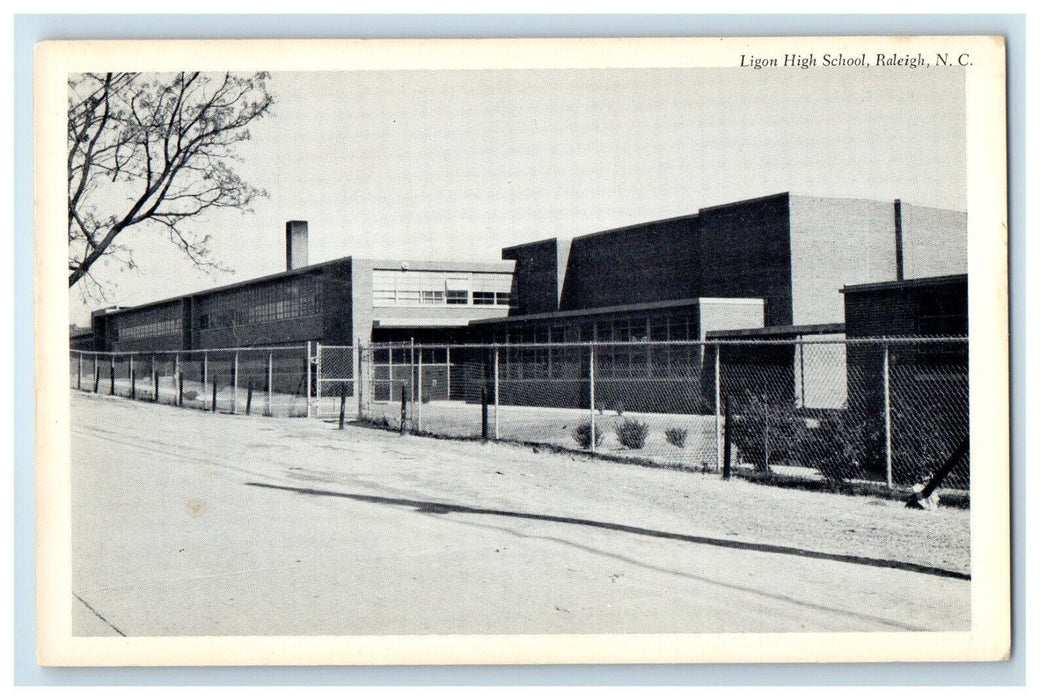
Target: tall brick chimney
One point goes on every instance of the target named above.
(297, 244)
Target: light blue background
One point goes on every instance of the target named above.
(30, 29)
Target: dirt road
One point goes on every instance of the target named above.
(187, 523)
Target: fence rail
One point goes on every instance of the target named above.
(885, 410)
(265, 381)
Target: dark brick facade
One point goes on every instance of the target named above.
(538, 278)
(745, 252)
(640, 264)
(928, 381)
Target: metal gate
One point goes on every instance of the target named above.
(335, 379)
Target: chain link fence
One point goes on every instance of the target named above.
(886, 411)
(272, 381)
(335, 380)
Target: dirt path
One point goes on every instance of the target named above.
(191, 523)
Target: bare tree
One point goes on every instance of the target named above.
(155, 149)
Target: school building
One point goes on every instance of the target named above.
(771, 267)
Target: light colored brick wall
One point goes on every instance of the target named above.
(934, 241)
(836, 242)
(729, 314)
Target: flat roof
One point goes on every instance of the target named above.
(905, 284)
(574, 313)
(507, 266)
(775, 331)
(497, 266)
(430, 322)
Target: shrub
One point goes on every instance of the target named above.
(581, 435)
(380, 422)
(631, 433)
(843, 446)
(756, 416)
(677, 437)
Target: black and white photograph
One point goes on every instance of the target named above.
(522, 351)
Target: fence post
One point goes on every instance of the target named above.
(341, 410)
(727, 437)
(152, 373)
(203, 377)
(410, 373)
(309, 379)
(421, 389)
(483, 412)
(359, 380)
(133, 392)
(765, 465)
(403, 408)
(96, 373)
(214, 397)
(319, 378)
(79, 370)
(888, 457)
(156, 387)
(716, 388)
(181, 387)
(269, 385)
(131, 373)
(592, 397)
(250, 390)
(112, 375)
(236, 380)
(497, 397)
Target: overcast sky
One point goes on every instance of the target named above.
(457, 164)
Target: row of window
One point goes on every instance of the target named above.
(609, 362)
(262, 304)
(414, 288)
(148, 329)
(661, 327)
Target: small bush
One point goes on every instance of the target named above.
(581, 435)
(677, 437)
(380, 422)
(631, 433)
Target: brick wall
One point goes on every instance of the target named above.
(645, 263)
(836, 242)
(537, 276)
(745, 253)
(934, 242)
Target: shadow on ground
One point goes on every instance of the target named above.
(434, 507)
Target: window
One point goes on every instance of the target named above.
(492, 288)
(940, 315)
(151, 323)
(457, 290)
(435, 288)
(261, 304)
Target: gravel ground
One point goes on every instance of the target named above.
(506, 476)
(186, 522)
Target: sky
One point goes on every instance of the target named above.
(456, 165)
